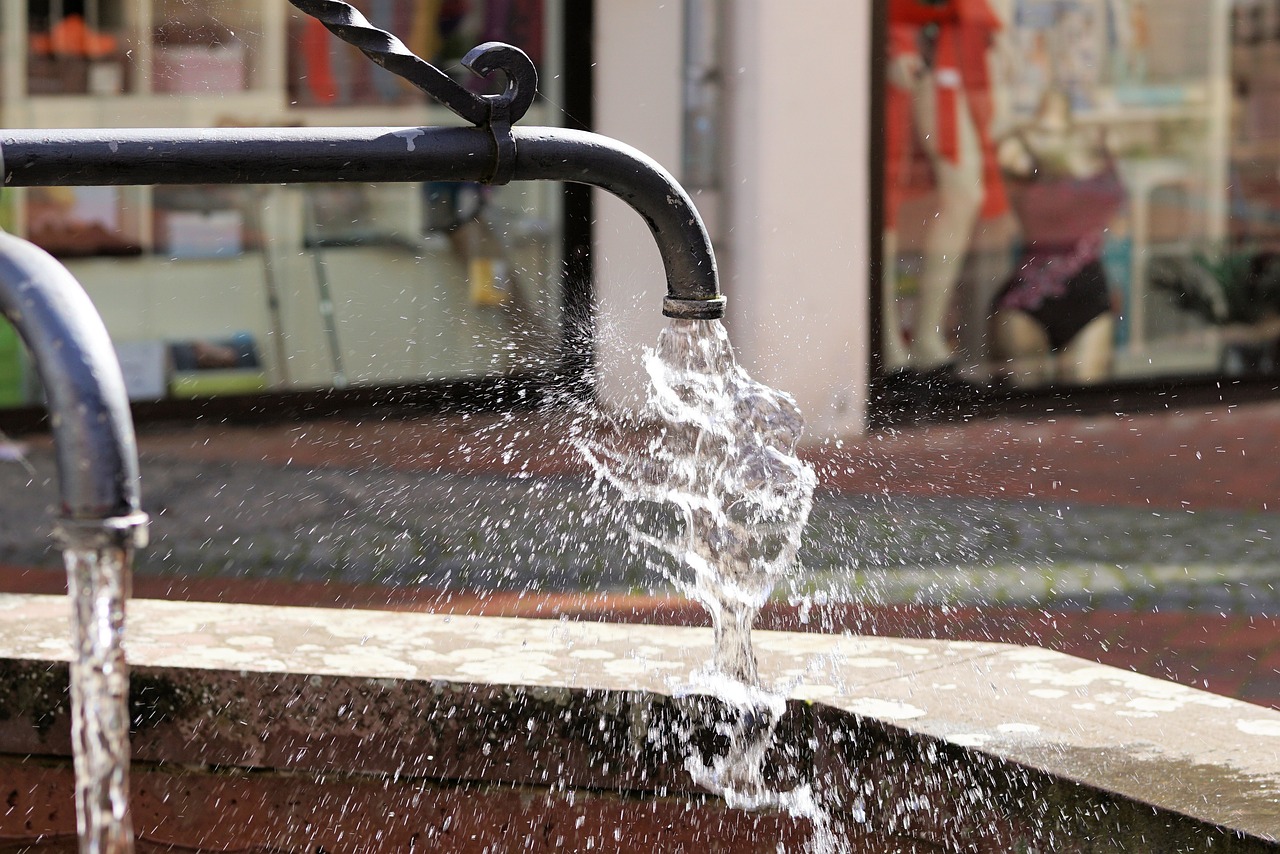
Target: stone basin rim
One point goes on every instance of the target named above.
(1109, 730)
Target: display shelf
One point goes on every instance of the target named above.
(208, 267)
(390, 327)
(147, 110)
(1196, 353)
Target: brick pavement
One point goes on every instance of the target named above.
(1205, 459)
(1226, 457)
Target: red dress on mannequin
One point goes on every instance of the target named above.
(965, 30)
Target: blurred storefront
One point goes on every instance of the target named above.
(211, 292)
(1077, 195)
(921, 208)
(1038, 205)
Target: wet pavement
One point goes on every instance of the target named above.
(1144, 540)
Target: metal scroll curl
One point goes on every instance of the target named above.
(347, 23)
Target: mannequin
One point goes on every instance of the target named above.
(1054, 320)
(939, 98)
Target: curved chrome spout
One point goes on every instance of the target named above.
(302, 155)
(88, 407)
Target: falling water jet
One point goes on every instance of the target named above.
(723, 461)
(98, 581)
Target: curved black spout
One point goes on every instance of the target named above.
(88, 406)
(302, 155)
(693, 282)
(693, 290)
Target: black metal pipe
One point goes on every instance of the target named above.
(555, 154)
(124, 157)
(89, 408)
(85, 157)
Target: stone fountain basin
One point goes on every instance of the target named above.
(301, 729)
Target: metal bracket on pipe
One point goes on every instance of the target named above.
(497, 113)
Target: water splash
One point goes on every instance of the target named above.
(723, 458)
(723, 461)
(100, 698)
(740, 770)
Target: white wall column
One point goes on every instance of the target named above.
(793, 248)
(796, 253)
(637, 100)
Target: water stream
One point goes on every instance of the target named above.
(722, 461)
(100, 698)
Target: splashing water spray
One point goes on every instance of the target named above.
(723, 461)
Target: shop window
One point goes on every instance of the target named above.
(1078, 192)
(220, 290)
(77, 47)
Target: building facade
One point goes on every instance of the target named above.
(921, 208)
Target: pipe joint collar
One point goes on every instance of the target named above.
(694, 309)
(128, 531)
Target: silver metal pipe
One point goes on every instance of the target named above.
(88, 406)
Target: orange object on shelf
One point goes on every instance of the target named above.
(40, 44)
(72, 36)
(315, 53)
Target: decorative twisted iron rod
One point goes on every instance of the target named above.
(495, 112)
(348, 24)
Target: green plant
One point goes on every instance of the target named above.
(1234, 287)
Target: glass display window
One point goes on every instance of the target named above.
(1077, 193)
(218, 290)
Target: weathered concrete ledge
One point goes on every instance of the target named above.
(324, 730)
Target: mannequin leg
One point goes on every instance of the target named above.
(1087, 357)
(960, 194)
(895, 348)
(1021, 348)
